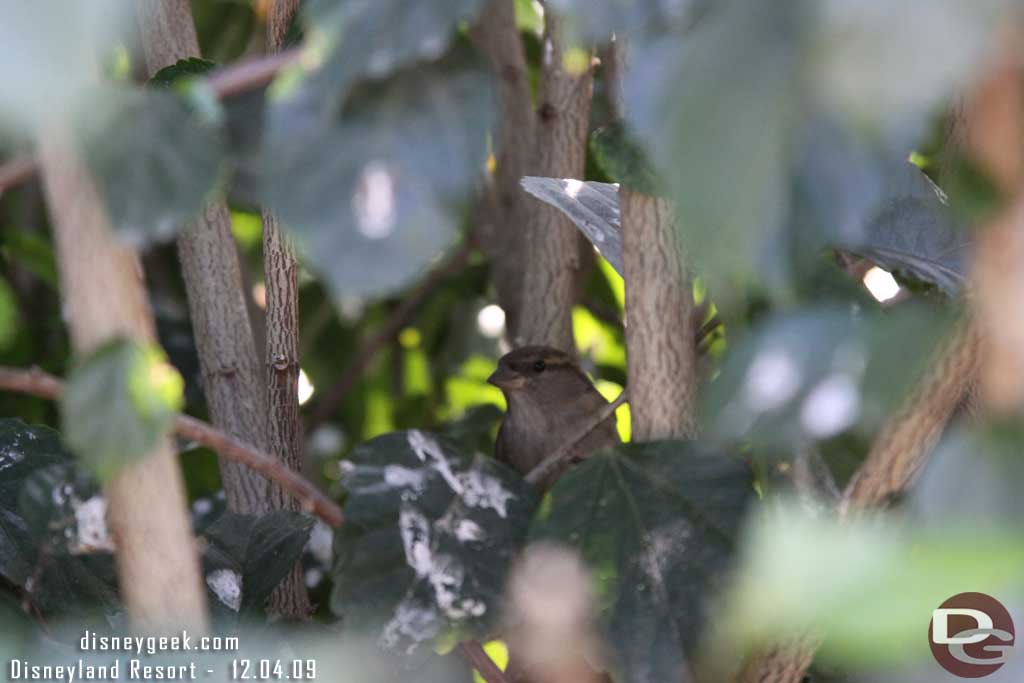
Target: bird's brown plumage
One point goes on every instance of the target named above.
(549, 399)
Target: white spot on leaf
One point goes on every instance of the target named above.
(411, 622)
(467, 530)
(831, 407)
(227, 586)
(91, 521)
(374, 202)
(772, 380)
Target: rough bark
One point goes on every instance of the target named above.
(281, 274)
(660, 326)
(279, 19)
(503, 215)
(553, 257)
(232, 376)
(902, 447)
(782, 663)
(613, 68)
(157, 559)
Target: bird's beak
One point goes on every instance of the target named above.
(503, 378)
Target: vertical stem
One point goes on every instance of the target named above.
(503, 213)
(660, 324)
(281, 271)
(232, 377)
(553, 254)
(157, 560)
(994, 124)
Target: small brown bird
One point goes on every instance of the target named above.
(549, 400)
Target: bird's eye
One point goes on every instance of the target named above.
(539, 365)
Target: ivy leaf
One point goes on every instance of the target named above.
(373, 196)
(117, 403)
(428, 538)
(593, 207)
(915, 232)
(657, 522)
(183, 68)
(623, 160)
(253, 554)
(374, 38)
(53, 537)
(813, 375)
(154, 158)
(23, 451)
(724, 153)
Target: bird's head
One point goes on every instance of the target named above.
(536, 369)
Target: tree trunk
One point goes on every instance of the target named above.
(232, 377)
(553, 257)
(281, 272)
(994, 132)
(157, 561)
(660, 331)
(503, 216)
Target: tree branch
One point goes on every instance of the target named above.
(36, 382)
(554, 460)
(473, 652)
(238, 78)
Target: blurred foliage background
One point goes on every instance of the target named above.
(804, 146)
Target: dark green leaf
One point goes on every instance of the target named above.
(657, 522)
(373, 197)
(53, 536)
(374, 38)
(183, 68)
(623, 160)
(76, 586)
(63, 507)
(155, 159)
(117, 403)
(247, 556)
(24, 453)
(915, 232)
(428, 538)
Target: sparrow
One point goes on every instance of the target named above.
(549, 400)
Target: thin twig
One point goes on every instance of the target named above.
(242, 77)
(39, 383)
(552, 461)
(401, 317)
(250, 74)
(473, 652)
